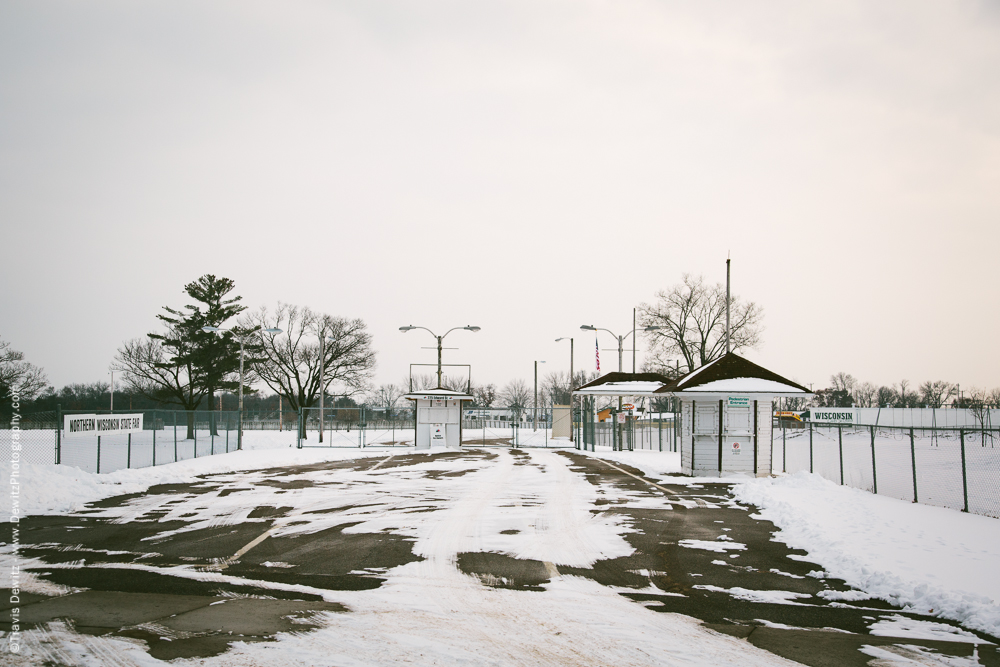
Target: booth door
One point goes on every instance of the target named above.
(737, 443)
(706, 438)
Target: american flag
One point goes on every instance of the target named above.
(597, 349)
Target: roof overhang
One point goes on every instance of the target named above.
(438, 394)
(624, 384)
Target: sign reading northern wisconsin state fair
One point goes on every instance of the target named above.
(101, 424)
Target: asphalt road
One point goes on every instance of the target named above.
(186, 569)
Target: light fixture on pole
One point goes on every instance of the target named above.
(621, 340)
(439, 339)
(322, 379)
(242, 339)
(536, 394)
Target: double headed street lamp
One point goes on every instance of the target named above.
(621, 341)
(439, 339)
(242, 338)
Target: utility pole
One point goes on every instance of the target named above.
(633, 341)
(727, 306)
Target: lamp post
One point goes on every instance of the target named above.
(439, 339)
(242, 339)
(322, 380)
(621, 340)
(571, 435)
(536, 394)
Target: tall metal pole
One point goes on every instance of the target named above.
(536, 397)
(239, 432)
(322, 385)
(571, 433)
(439, 358)
(633, 340)
(620, 343)
(727, 305)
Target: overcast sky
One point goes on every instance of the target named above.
(527, 167)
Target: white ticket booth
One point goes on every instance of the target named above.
(725, 416)
(438, 417)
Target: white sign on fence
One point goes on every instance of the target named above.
(101, 424)
(837, 415)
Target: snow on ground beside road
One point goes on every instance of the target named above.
(56, 489)
(932, 560)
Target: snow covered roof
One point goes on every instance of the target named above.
(732, 374)
(623, 384)
(439, 392)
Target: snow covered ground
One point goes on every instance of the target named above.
(930, 559)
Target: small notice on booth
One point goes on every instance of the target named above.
(736, 448)
(621, 417)
(739, 401)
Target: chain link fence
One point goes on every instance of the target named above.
(359, 426)
(957, 468)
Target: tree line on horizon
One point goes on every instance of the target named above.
(184, 367)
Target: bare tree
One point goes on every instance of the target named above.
(994, 398)
(906, 397)
(936, 394)
(455, 382)
(150, 371)
(864, 395)
(385, 395)
(289, 363)
(885, 397)
(485, 394)
(17, 376)
(516, 396)
(692, 321)
(420, 382)
(843, 382)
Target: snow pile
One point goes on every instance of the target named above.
(927, 559)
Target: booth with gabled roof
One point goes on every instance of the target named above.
(437, 417)
(725, 416)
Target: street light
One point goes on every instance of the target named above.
(536, 394)
(570, 385)
(239, 432)
(323, 339)
(439, 339)
(621, 340)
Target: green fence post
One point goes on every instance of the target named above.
(810, 446)
(784, 448)
(874, 471)
(128, 455)
(840, 447)
(965, 478)
(913, 458)
(154, 437)
(175, 435)
(58, 434)
(98, 455)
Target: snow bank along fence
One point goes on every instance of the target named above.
(106, 443)
(949, 467)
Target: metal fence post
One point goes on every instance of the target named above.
(810, 446)
(58, 434)
(784, 448)
(128, 455)
(659, 430)
(175, 435)
(154, 437)
(98, 455)
(965, 478)
(913, 458)
(874, 472)
(840, 447)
